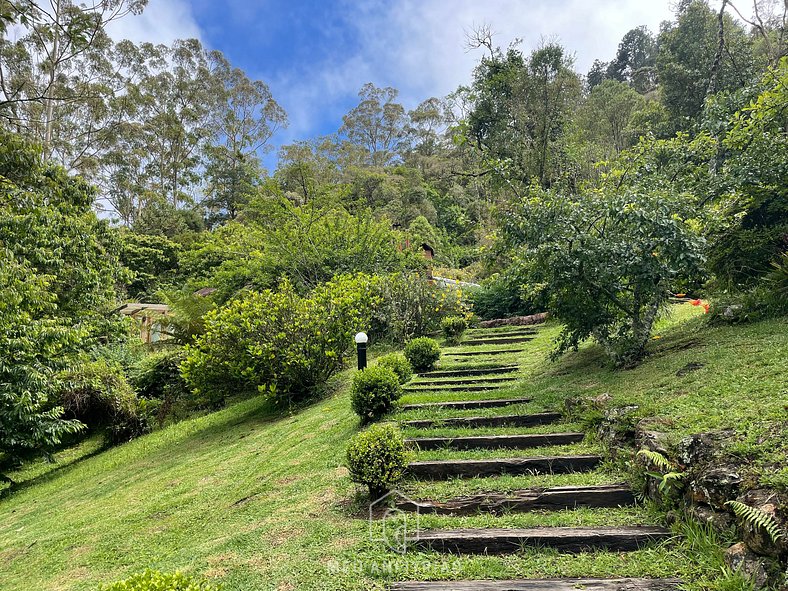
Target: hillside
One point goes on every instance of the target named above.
(260, 501)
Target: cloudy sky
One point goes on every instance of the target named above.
(316, 54)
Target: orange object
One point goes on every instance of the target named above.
(706, 308)
(695, 302)
(680, 295)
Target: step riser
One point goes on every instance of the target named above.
(543, 585)
(562, 539)
(453, 389)
(480, 353)
(500, 341)
(441, 470)
(469, 372)
(467, 404)
(505, 421)
(496, 441)
(557, 499)
(462, 382)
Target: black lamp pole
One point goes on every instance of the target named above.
(361, 350)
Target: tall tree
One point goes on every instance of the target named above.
(689, 57)
(635, 61)
(56, 78)
(245, 117)
(377, 124)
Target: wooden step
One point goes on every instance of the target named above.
(471, 371)
(466, 404)
(496, 441)
(564, 539)
(542, 418)
(469, 380)
(478, 353)
(542, 585)
(459, 388)
(530, 499)
(443, 469)
(496, 340)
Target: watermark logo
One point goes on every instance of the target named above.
(394, 520)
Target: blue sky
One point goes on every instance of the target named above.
(315, 56)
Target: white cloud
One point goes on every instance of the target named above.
(162, 21)
(418, 47)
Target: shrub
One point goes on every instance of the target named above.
(411, 306)
(453, 328)
(377, 458)
(609, 261)
(278, 342)
(158, 377)
(152, 580)
(423, 353)
(503, 296)
(374, 393)
(97, 394)
(397, 363)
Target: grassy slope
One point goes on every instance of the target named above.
(259, 502)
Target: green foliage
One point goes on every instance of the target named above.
(97, 394)
(151, 580)
(669, 479)
(608, 261)
(756, 518)
(503, 295)
(58, 271)
(374, 393)
(397, 363)
(453, 327)
(412, 306)
(377, 458)
(278, 342)
(151, 259)
(687, 60)
(423, 353)
(157, 376)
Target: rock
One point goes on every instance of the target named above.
(516, 320)
(648, 437)
(618, 427)
(716, 486)
(757, 538)
(739, 558)
(702, 447)
(719, 520)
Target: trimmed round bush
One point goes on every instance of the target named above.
(377, 458)
(453, 328)
(423, 353)
(374, 393)
(397, 363)
(152, 580)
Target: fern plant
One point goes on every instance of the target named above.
(668, 477)
(757, 518)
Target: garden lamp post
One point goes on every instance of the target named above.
(361, 349)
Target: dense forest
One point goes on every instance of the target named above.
(133, 172)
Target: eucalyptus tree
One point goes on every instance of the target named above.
(57, 76)
(377, 124)
(244, 119)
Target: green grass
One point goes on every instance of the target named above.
(261, 502)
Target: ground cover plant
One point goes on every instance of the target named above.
(289, 503)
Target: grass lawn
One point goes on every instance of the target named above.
(261, 502)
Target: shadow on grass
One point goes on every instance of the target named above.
(259, 412)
